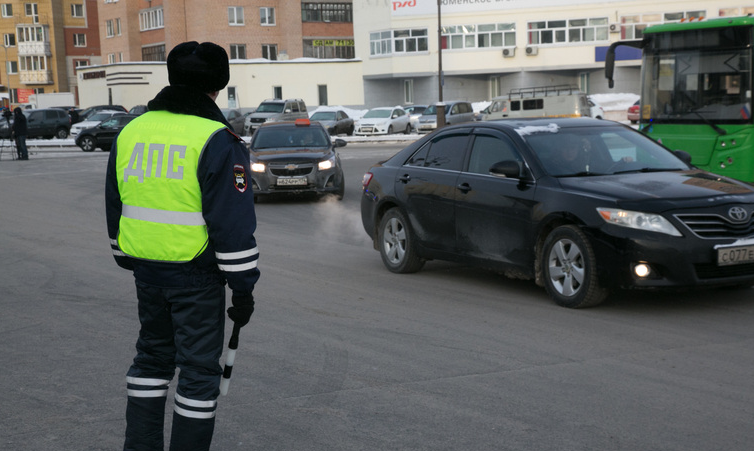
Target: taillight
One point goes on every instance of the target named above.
(366, 179)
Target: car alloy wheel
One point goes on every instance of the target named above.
(569, 269)
(396, 243)
(61, 133)
(88, 144)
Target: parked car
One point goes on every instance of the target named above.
(41, 123)
(272, 110)
(138, 109)
(580, 205)
(456, 112)
(235, 118)
(595, 110)
(633, 112)
(336, 122)
(294, 158)
(414, 112)
(103, 134)
(383, 121)
(83, 115)
(93, 120)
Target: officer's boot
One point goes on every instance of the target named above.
(191, 434)
(145, 421)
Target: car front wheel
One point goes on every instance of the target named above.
(569, 269)
(396, 243)
(88, 144)
(61, 133)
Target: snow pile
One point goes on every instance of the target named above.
(614, 102)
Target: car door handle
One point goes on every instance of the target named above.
(405, 178)
(464, 187)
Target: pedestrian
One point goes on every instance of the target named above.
(180, 215)
(74, 115)
(19, 130)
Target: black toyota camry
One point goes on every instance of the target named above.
(580, 205)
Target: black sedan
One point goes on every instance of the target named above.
(295, 157)
(336, 122)
(580, 205)
(102, 135)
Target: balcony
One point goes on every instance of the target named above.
(34, 48)
(35, 77)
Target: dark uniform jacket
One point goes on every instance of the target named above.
(228, 208)
(19, 124)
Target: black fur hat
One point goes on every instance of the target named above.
(202, 66)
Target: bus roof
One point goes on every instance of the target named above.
(701, 23)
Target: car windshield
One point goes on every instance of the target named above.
(110, 123)
(323, 116)
(432, 109)
(297, 137)
(597, 151)
(100, 116)
(381, 114)
(270, 108)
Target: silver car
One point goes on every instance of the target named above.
(383, 121)
(456, 112)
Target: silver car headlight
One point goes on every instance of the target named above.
(638, 220)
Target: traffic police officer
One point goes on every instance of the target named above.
(180, 215)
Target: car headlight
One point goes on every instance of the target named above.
(325, 165)
(257, 167)
(638, 220)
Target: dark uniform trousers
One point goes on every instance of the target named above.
(181, 328)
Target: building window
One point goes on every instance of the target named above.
(153, 53)
(117, 26)
(481, 36)
(270, 51)
(79, 40)
(151, 19)
(565, 31)
(31, 34)
(235, 15)
(326, 12)
(77, 10)
(7, 9)
(32, 11)
(11, 67)
(277, 92)
(32, 63)
(267, 16)
(109, 29)
(79, 63)
(408, 91)
(9, 40)
(238, 51)
(111, 58)
(398, 41)
(329, 48)
(632, 27)
(322, 91)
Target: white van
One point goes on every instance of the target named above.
(539, 101)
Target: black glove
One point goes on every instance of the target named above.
(243, 307)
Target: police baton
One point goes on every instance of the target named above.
(229, 359)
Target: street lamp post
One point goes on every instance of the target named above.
(440, 104)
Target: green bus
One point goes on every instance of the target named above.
(696, 91)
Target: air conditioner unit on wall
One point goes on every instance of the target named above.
(509, 52)
(614, 28)
(531, 51)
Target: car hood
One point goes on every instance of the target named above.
(374, 121)
(289, 155)
(660, 191)
(326, 123)
(262, 115)
(86, 124)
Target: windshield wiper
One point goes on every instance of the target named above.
(582, 174)
(719, 130)
(647, 170)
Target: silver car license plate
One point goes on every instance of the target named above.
(735, 255)
(291, 181)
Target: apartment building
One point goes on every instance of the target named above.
(43, 43)
(486, 48)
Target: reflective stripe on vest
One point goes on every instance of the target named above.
(158, 156)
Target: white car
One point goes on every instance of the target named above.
(93, 121)
(383, 121)
(595, 110)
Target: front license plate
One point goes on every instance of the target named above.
(291, 181)
(735, 255)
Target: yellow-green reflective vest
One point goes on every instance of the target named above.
(158, 155)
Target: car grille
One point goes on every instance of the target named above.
(711, 226)
(257, 120)
(713, 271)
(282, 171)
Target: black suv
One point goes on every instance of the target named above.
(44, 122)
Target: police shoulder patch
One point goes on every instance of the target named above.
(239, 177)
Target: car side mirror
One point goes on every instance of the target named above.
(683, 156)
(340, 142)
(509, 169)
(287, 110)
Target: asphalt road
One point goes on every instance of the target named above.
(343, 355)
